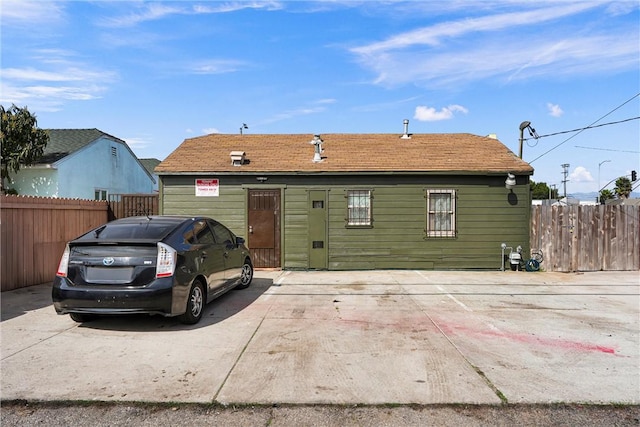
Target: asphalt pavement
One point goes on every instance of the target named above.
(344, 338)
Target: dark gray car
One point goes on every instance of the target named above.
(165, 265)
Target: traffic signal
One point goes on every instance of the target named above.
(634, 176)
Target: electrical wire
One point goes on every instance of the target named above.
(584, 128)
(592, 125)
(607, 149)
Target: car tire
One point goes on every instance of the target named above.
(195, 305)
(246, 276)
(81, 317)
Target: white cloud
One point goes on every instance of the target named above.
(26, 12)
(153, 11)
(216, 66)
(457, 52)
(137, 143)
(430, 114)
(580, 174)
(54, 79)
(439, 33)
(289, 114)
(208, 131)
(326, 101)
(554, 110)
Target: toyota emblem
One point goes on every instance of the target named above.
(108, 261)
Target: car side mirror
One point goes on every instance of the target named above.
(239, 241)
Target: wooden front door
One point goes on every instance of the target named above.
(264, 228)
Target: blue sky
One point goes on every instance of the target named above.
(155, 73)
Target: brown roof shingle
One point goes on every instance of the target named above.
(276, 153)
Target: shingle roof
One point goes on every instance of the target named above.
(63, 142)
(150, 164)
(375, 153)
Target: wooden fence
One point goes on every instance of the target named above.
(34, 231)
(124, 205)
(587, 238)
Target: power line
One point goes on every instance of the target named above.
(607, 149)
(584, 128)
(579, 131)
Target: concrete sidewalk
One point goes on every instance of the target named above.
(366, 337)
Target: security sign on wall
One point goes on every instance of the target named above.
(207, 187)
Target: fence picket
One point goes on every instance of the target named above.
(587, 238)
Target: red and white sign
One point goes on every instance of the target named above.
(207, 187)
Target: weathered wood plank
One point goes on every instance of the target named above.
(587, 238)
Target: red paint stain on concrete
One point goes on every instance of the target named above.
(531, 339)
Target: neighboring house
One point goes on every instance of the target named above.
(150, 165)
(356, 201)
(84, 164)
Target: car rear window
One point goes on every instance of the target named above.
(147, 230)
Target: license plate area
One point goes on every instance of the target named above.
(109, 274)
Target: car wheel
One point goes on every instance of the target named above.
(195, 305)
(81, 317)
(246, 276)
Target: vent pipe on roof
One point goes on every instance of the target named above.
(317, 142)
(406, 135)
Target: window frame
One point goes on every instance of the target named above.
(359, 221)
(432, 212)
(100, 194)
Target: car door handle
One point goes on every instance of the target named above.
(226, 254)
(203, 256)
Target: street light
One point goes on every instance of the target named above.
(526, 125)
(600, 164)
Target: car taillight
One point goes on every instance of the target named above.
(64, 263)
(166, 264)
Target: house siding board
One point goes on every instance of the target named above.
(397, 239)
(484, 219)
(296, 228)
(229, 207)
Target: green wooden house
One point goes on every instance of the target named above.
(356, 201)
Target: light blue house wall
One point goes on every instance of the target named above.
(106, 164)
(36, 181)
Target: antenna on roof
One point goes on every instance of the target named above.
(244, 126)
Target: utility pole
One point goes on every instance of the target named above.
(565, 173)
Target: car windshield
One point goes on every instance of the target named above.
(147, 230)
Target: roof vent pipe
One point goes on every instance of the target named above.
(317, 142)
(406, 135)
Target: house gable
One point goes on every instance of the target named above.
(83, 163)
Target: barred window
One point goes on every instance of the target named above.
(441, 213)
(359, 207)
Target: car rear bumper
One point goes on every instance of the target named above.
(154, 298)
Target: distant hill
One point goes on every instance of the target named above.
(594, 195)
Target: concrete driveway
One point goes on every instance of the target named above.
(367, 337)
